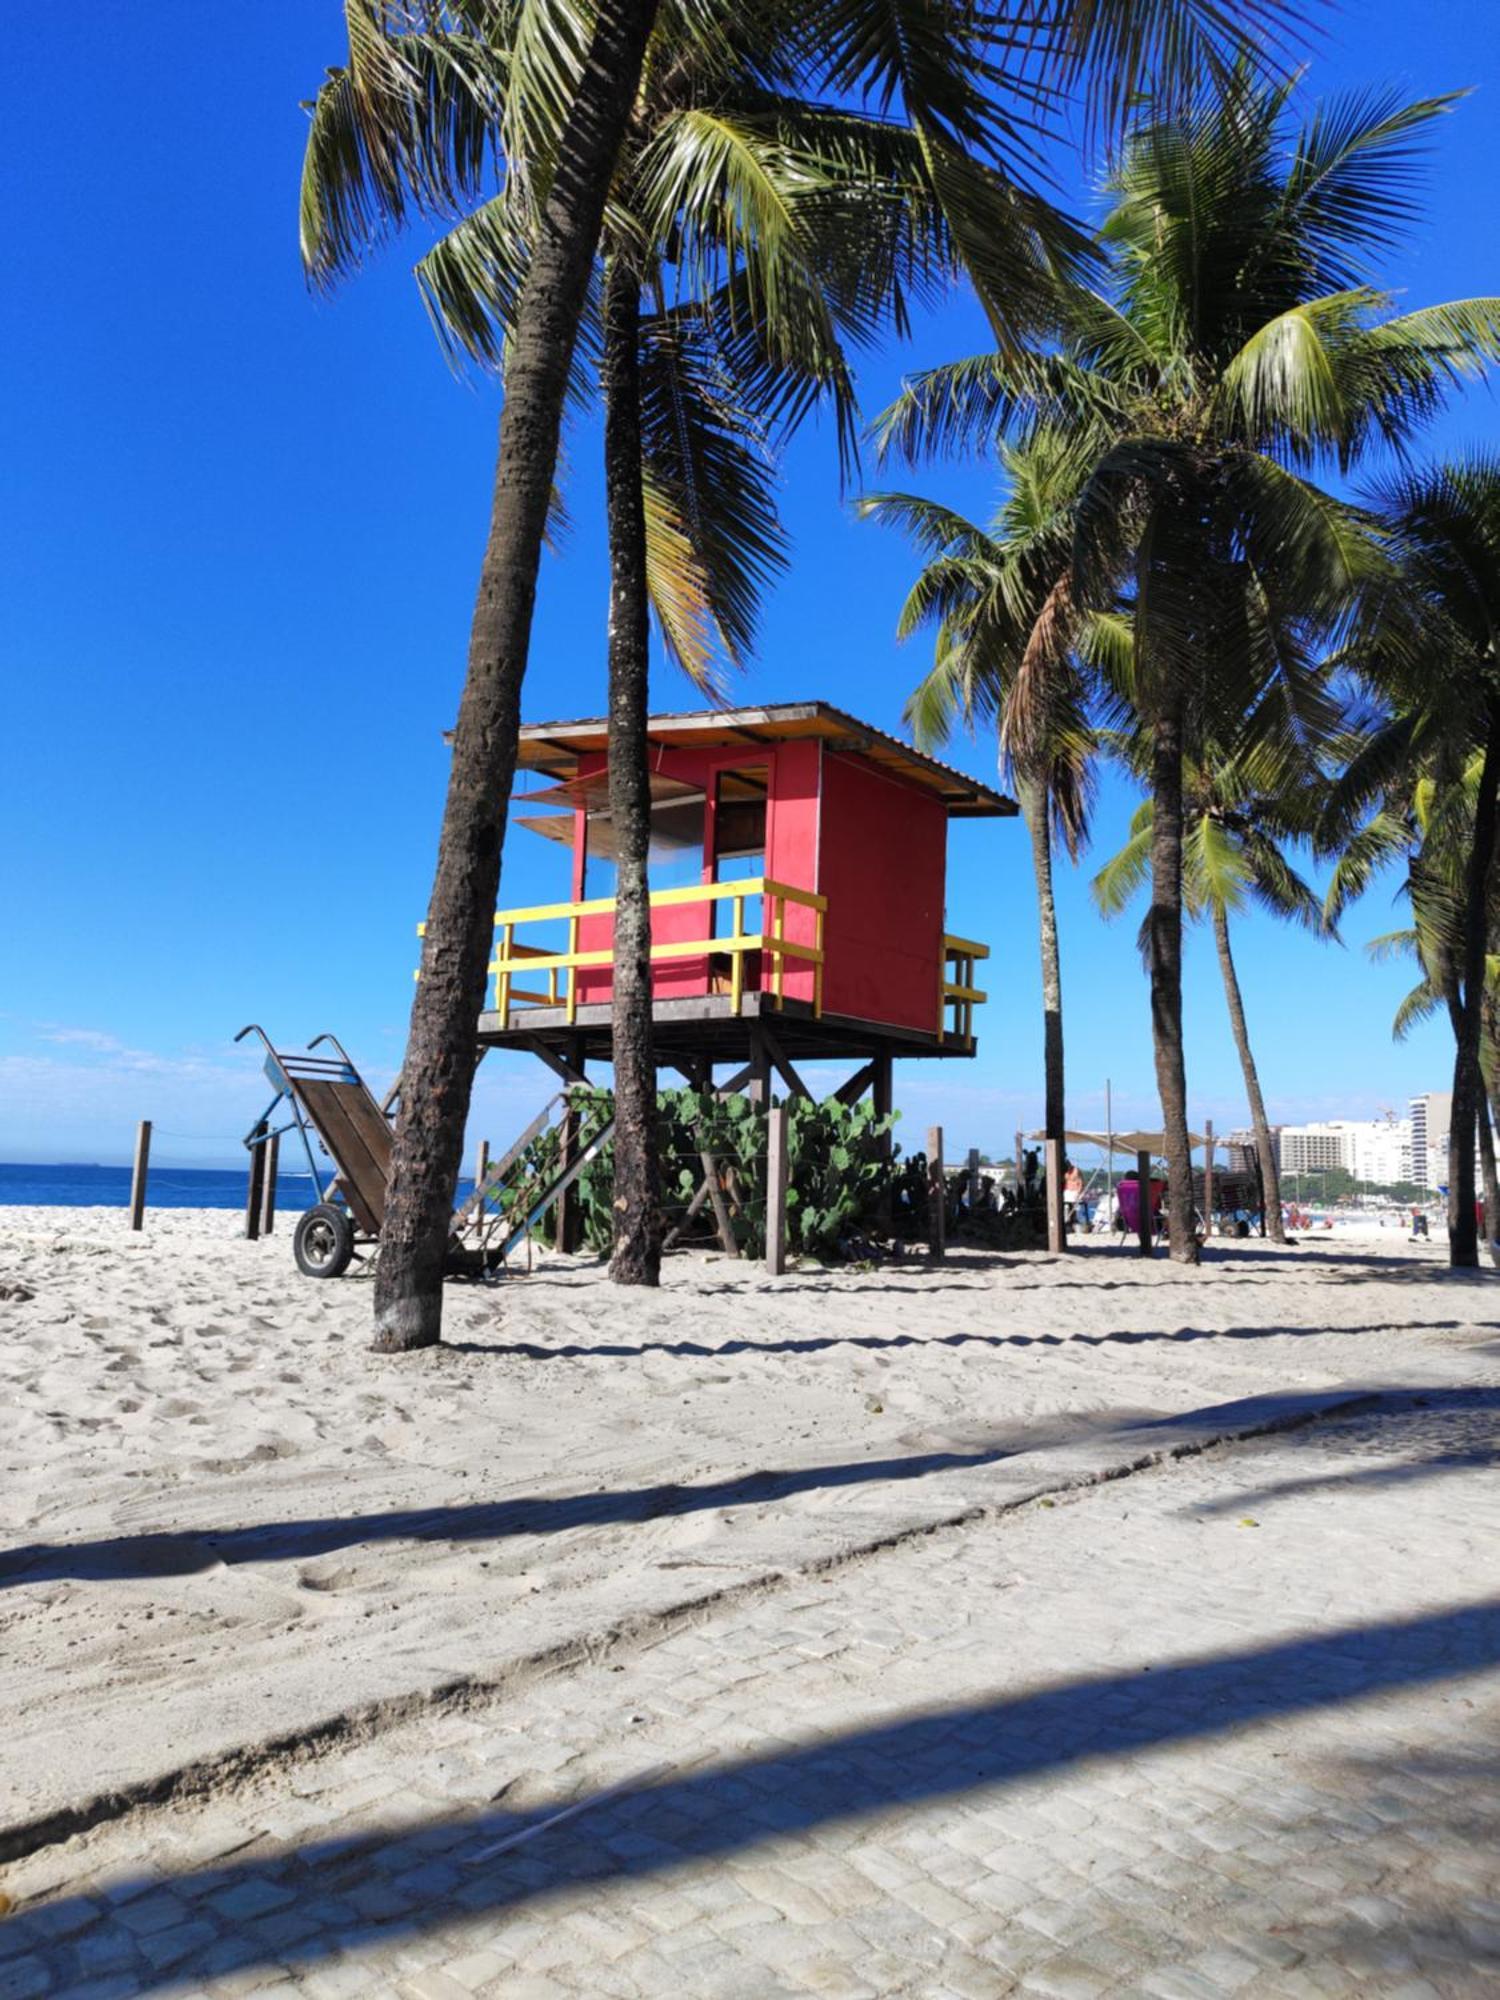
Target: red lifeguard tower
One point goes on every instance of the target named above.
(798, 863)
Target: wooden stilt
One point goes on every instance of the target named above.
(759, 1089)
(937, 1196)
(138, 1174)
(881, 1101)
(973, 1178)
(776, 1186)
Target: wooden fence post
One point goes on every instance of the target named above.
(272, 1151)
(1143, 1214)
(1208, 1177)
(481, 1168)
(1057, 1234)
(138, 1176)
(255, 1193)
(973, 1178)
(937, 1195)
(776, 1186)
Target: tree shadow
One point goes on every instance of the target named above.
(301, 1905)
(187, 1553)
(1430, 1435)
(621, 1350)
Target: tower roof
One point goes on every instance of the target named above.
(554, 748)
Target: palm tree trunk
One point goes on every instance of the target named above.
(1164, 942)
(637, 1245)
(1463, 1234)
(1265, 1145)
(1035, 800)
(1489, 1179)
(438, 1073)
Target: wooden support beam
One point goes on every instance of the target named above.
(481, 1169)
(776, 1189)
(973, 1178)
(254, 1193)
(1057, 1232)
(854, 1089)
(737, 1082)
(783, 1068)
(716, 1195)
(272, 1151)
(1143, 1201)
(138, 1174)
(704, 1188)
(556, 1061)
(937, 1195)
(1208, 1177)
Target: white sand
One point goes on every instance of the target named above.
(224, 1519)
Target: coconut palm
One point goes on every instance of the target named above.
(1427, 640)
(410, 123)
(439, 101)
(985, 592)
(831, 222)
(1234, 856)
(1239, 351)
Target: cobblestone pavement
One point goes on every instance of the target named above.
(1229, 1726)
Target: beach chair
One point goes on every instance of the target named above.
(1128, 1210)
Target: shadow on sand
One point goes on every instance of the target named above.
(187, 1553)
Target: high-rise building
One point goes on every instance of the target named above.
(1431, 1115)
(1378, 1150)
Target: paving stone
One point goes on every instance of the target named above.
(987, 1794)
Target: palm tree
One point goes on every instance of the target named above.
(1427, 640)
(1240, 350)
(410, 121)
(1233, 856)
(829, 221)
(440, 98)
(986, 592)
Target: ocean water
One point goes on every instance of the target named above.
(166, 1187)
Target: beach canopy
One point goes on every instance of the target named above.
(1129, 1143)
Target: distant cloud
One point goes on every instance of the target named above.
(82, 1038)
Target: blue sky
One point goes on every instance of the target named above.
(241, 531)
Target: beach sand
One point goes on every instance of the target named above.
(224, 1520)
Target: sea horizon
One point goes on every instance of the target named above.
(87, 1184)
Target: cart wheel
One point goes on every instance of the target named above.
(324, 1242)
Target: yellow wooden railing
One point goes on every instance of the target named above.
(956, 988)
(513, 958)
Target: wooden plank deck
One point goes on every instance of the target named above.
(707, 1026)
